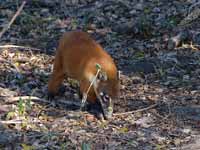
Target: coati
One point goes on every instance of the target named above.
(76, 57)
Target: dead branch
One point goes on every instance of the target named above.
(18, 121)
(13, 19)
(136, 111)
(37, 99)
(192, 46)
(20, 47)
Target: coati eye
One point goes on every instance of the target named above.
(105, 97)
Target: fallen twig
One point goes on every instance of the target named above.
(17, 98)
(192, 46)
(20, 47)
(13, 19)
(136, 111)
(17, 121)
(37, 99)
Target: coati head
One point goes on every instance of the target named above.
(107, 90)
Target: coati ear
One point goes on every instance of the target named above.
(102, 76)
(118, 74)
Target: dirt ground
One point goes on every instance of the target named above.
(156, 46)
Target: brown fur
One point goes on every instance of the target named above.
(76, 57)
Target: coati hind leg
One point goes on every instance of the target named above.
(56, 78)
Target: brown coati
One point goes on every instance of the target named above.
(76, 57)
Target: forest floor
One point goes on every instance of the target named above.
(156, 46)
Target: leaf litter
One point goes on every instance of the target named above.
(158, 67)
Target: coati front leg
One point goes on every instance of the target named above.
(93, 105)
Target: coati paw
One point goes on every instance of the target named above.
(61, 90)
(100, 116)
(50, 96)
(95, 109)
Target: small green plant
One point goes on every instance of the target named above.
(74, 24)
(139, 55)
(147, 10)
(145, 26)
(161, 72)
(27, 147)
(85, 146)
(21, 107)
(63, 146)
